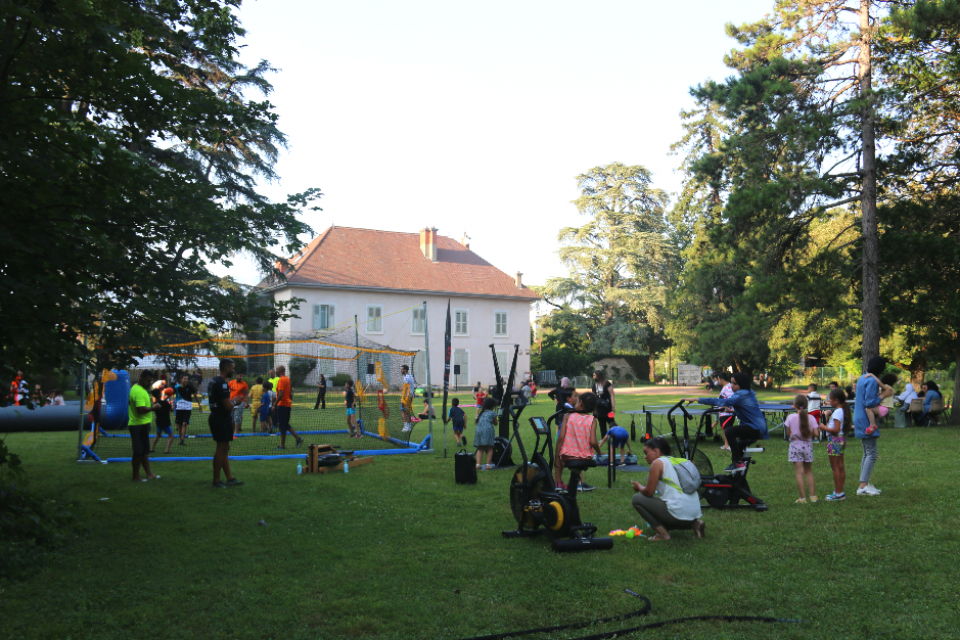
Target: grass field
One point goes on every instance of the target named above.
(396, 549)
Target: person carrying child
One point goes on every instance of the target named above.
(620, 439)
(349, 400)
(459, 420)
(868, 395)
(485, 433)
(839, 426)
(266, 402)
(164, 408)
(577, 438)
(802, 428)
(875, 413)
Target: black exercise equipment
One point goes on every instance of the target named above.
(720, 491)
(537, 505)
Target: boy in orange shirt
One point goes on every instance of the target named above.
(284, 407)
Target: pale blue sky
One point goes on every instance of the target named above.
(476, 117)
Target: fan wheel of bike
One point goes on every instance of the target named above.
(517, 499)
(704, 467)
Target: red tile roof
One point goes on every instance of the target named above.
(366, 258)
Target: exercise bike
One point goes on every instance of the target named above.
(537, 505)
(720, 491)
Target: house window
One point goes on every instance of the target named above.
(420, 367)
(323, 317)
(500, 323)
(374, 318)
(461, 358)
(503, 362)
(461, 326)
(418, 321)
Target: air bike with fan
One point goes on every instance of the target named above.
(720, 491)
(538, 507)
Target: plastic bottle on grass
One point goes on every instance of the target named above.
(299, 468)
(346, 467)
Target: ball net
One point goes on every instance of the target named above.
(383, 403)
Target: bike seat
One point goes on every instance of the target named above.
(580, 465)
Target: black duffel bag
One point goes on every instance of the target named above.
(464, 468)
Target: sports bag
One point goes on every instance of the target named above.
(464, 468)
(688, 474)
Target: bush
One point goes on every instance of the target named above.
(340, 379)
(300, 368)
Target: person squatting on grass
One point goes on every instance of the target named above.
(867, 395)
(221, 423)
(753, 426)
(483, 438)
(349, 399)
(674, 509)
(459, 420)
(839, 426)
(621, 440)
(802, 428)
(577, 438)
(285, 407)
(140, 415)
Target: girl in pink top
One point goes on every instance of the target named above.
(802, 428)
(577, 438)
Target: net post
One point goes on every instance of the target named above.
(429, 391)
(358, 403)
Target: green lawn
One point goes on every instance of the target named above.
(396, 549)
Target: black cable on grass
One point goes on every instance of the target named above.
(619, 632)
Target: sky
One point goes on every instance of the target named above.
(476, 117)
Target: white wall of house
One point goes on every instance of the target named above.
(386, 318)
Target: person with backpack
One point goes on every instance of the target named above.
(675, 508)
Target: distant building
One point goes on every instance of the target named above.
(379, 275)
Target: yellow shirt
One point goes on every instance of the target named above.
(255, 396)
(139, 397)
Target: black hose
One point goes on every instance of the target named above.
(620, 632)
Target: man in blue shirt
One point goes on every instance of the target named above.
(753, 424)
(868, 395)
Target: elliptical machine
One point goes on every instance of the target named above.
(720, 491)
(537, 505)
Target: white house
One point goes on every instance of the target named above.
(383, 278)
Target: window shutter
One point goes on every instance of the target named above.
(316, 317)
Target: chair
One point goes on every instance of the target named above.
(916, 409)
(936, 410)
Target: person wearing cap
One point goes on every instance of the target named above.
(752, 426)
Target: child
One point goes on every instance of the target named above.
(56, 398)
(840, 425)
(886, 392)
(266, 402)
(459, 420)
(183, 406)
(350, 397)
(802, 429)
(578, 436)
(163, 417)
(483, 438)
(621, 440)
(479, 396)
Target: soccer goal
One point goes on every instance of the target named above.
(382, 406)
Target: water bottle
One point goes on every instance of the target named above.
(299, 468)
(346, 467)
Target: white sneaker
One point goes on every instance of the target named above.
(407, 428)
(870, 486)
(868, 490)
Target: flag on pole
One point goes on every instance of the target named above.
(446, 366)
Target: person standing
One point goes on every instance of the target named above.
(321, 393)
(867, 395)
(285, 407)
(407, 389)
(183, 406)
(140, 415)
(606, 401)
(256, 393)
(238, 396)
(221, 425)
(273, 378)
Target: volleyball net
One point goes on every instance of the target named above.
(383, 404)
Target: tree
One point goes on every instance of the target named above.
(621, 264)
(128, 157)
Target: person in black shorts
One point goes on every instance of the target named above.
(221, 424)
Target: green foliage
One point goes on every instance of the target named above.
(340, 379)
(300, 368)
(131, 137)
(566, 361)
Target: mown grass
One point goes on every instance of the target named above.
(396, 549)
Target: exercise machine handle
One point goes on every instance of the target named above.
(680, 406)
(556, 417)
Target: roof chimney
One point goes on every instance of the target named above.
(465, 240)
(519, 280)
(428, 243)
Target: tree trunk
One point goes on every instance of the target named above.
(653, 365)
(917, 375)
(870, 305)
(954, 416)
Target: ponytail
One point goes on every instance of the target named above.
(800, 402)
(847, 427)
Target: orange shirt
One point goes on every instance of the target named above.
(238, 388)
(283, 384)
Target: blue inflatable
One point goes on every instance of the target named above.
(116, 398)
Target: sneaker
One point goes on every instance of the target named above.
(868, 490)
(234, 483)
(300, 442)
(870, 486)
(464, 441)
(219, 485)
(491, 467)
(281, 448)
(836, 497)
(800, 501)
(182, 442)
(407, 428)
(736, 467)
(814, 499)
(586, 487)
